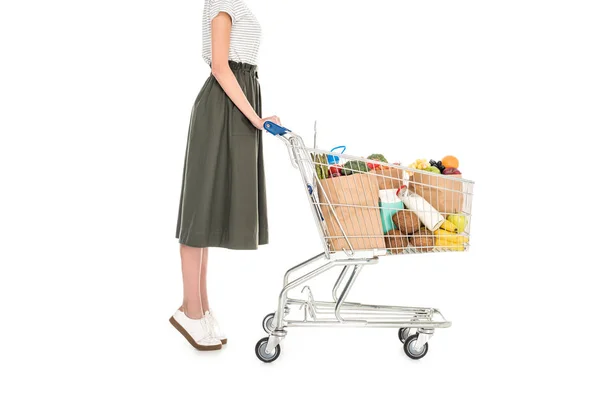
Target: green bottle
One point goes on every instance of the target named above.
(389, 204)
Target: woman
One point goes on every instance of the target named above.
(223, 201)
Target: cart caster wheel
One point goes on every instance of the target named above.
(268, 323)
(403, 334)
(261, 353)
(410, 348)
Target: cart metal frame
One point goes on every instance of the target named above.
(416, 324)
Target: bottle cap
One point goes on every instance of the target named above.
(400, 189)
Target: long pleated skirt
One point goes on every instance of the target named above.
(223, 198)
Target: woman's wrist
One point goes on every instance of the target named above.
(256, 121)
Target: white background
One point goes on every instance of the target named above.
(95, 102)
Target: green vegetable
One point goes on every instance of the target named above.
(354, 166)
(321, 165)
(378, 157)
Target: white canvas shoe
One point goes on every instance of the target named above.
(216, 328)
(197, 331)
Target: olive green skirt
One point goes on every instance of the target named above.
(223, 198)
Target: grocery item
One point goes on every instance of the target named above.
(421, 163)
(354, 166)
(396, 241)
(406, 221)
(437, 164)
(433, 169)
(332, 158)
(444, 244)
(459, 220)
(351, 209)
(442, 192)
(335, 170)
(451, 237)
(449, 226)
(423, 240)
(388, 178)
(389, 204)
(429, 216)
(377, 157)
(450, 162)
(321, 166)
(451, 171)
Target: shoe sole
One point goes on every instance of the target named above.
(191, 339)
(224, 341)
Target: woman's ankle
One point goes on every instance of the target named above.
(192, 314)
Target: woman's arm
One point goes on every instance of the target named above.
(221, 34)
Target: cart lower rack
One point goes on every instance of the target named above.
(357, 225)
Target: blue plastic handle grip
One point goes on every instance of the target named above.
(275, 129)
(339, 147)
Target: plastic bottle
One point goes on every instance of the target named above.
(429, 216)
(389, 204)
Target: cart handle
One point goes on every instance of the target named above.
(275, 129)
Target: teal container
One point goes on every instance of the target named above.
(389, 204)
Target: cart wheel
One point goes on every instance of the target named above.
(261, 353)
(411, 351)
(268, 323)
(403, 333)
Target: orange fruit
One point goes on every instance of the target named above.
(450, 162)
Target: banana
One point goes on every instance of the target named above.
(446, 245)
(449, 226)
(451, 237)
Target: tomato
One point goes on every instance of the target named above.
(373, 165)
(335, 169)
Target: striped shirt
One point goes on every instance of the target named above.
(245, 30)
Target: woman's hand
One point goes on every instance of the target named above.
(259, 123)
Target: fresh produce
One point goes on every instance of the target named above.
(321, 166)
(377, 157)
(433, 169)
(451, 237)
(421, 163)
(353, 166)
(451, 171)
(450, 162)
(459, 220)
(335, 170)
(406, 221)
(438, 165)
(396, 241)
(449, 226)
(423, 240)
(447, 245)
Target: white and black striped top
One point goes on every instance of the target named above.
(245, 30)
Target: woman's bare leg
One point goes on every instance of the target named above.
(203, 291)
(191, 259)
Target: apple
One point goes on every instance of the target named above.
(433, 169)
(459, 220)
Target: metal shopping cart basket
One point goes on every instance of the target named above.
(432, 216)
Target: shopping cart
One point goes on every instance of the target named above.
(349, 214)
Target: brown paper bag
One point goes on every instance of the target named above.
(344, 193)
(388, 178)
(445, 195)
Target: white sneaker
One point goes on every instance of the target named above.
(216, 328)
(197, 331)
